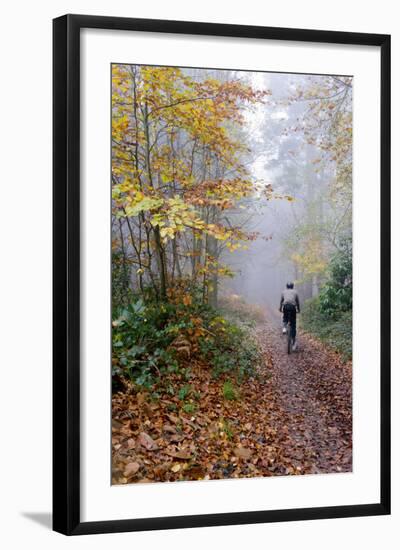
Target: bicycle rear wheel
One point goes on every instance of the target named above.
(289, 339)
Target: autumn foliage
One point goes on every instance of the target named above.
(202, 386)
(177, 167)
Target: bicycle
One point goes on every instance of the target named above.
(290, 332)
(290, 337)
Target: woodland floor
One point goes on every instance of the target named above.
(293, 417)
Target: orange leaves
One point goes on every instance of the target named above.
(173, 135)
(221, 193)
(290, 419)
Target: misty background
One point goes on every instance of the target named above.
(284, 157)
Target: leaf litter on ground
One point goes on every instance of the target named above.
(293, 417)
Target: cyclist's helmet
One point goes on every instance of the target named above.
(289, 284)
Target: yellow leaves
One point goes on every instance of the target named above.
(217, 324)
(186, 107)
(115, 192)
(219, 232)
(120, 82)
(166, 125)
(119, 126)
(311, 259)
(232, 246)
(143, 204)
(187, 300)
(176, 216)
(167, 232)
(225, 271)
(127, 191)
(213, 266)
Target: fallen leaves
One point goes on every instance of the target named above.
(147, 442)
(184, 455)
(131, 443)
(292, 418)
(243, 453)
(131, 469)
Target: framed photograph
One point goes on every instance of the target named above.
(221, 274)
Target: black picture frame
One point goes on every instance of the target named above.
(66, 273)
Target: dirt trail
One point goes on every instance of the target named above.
(293, 417)
(313, 389)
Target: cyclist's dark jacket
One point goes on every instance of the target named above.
(290, 296)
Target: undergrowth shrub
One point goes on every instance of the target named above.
(229, 391)
(333, 329)
(232, 350)
(329, 315)
(152, 339)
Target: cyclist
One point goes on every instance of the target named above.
(290, 306)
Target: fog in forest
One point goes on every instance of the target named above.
(227, 185)
(234, 181)
(283, 157)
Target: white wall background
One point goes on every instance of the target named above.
(26, 105)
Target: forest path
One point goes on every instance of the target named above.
(313, 389)
(293, 416)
